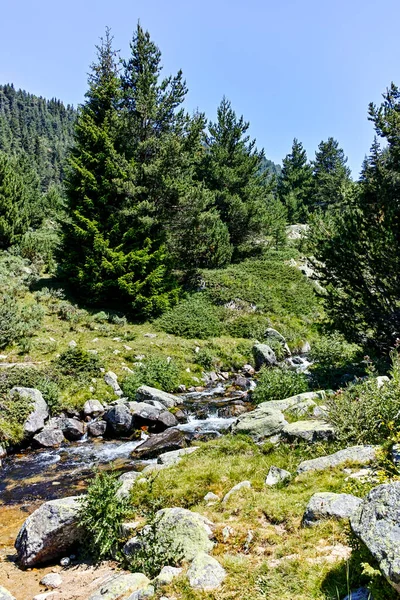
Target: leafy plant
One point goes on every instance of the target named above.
(76, 361)
(195, 317)
(156, 372)
(277, 384)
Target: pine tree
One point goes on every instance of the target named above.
(14, 219)
(295, 182)
(331, 176)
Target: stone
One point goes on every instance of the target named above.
(128, 481)
(121, 586)
(3, 454)
(286, 403)
(211, 498)
(272, 335)
(97, 428)
(172, 458)
(303, 409)
(205, 573)
(40, 412)
(168, 440)
(93, 408)
(127, 529)
(264, 356)
(49, 438)
(166, 419)
(112, 380)
(261, 423)
(73, 429)
(277, 475)
(359, 454)
(119, 419)
(310, 431)
(236, 488)
(327, 505)
(65, 561)
(395, 452)
(149, 394)
(142, 594)
(167, 575)
(381, 381)
(148, 415)
(5, 594)
(376, 523)
(52, 581)
(360, 594)
(46, 596)
(249, 370)
(49, 532)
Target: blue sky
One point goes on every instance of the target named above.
(304, 69)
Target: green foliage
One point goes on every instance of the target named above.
(294, 183)
(331, 182)
(336, 361)
(195, 317)
(277, 384)
(101, 516)
(251, 326)
(14, 412)
(205, 357)
(156, 372)
(14, 220)
(18, 321)
(77, 361)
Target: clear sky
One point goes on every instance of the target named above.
(293, 68)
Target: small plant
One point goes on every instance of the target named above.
(205, 358)
(14, 411)
(101, 515)
(193, 318)
(250, 326)
(121, 321)
(100, 317)
(277, 384)
(156, 372)
(76, 361)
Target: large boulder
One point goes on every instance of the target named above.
(119, 419)
(157, 420)
(121, 586)
(205, 573)
(357, 454)
(273, 336)
(297, 400)
(261, 423)
(327, 505)
(175, 456)
(73, 429)
(39, 413)
(93, 408)
(49, 438)
(264, 355)
(49, 532)
(5, 594)
(153, 395)
(376, 523)
(170, 439)
(310, 431)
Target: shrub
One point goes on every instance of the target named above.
(334, 361)
(100, 317)
(277, 384)
(101, 516)
(9, 321)
(195, 317)
(14, 412)
(76, 361)
(250, 326)
(205, 358)
(156, 372)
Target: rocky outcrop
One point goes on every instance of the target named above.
(261, 423)
(153, 395)
(122, 586)
(376, 523)
(310, 431)
(327, 505)
(264, 356)
(205, 573)
(49, 532)
(170, 439)
(40, 412)
(277, 475)
(358, 454)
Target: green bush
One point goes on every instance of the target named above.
(76, 361)
(362, 413)
(251, 326)
(277, 384)
(336, 362)
(101, 516)
(195, 317)
(18, 322)
(205, 358)
(14, 412)
(156, 372)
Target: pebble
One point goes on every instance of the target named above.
(65, 562)
(52, 581)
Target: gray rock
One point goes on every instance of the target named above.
(277, 475)
(73, 429)
(310, 431)
(327, 505)
(40, 412)
(65, 562)
(49, 532)
(167, 575)
(303, 409)
(381, 381)
(236, 488)
(360, 594)
(145, 414)
(121, 586)
(170, 439)
(5, 594)
(52, 581)
(112, 380)
(264, 355)
(172, 458)
(93, 408)
(359, 454)
(205, 573)
(119, 419)
(211, 498)
(286, 403)
(149, 395)
(272, 335)
(261, 423)
(376, 523)
(97, 428)
(49, 438)
(147, 592)
(3, 454)
(395, 452)
(132, 546)
(128, 481)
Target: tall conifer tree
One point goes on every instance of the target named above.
(295, 182)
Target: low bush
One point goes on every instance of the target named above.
(248, 326)
(76, 361)
(14, 412)
(206, 358)
(193, 318)
(18, 322)
(277, 384)
(156, 372)
(336, 361)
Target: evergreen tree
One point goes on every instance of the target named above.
(14, 219)
(295, 182)
(331, 176)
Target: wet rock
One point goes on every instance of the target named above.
(73, 429)
(166, 419)
(149, 395)
(277, 475)
(52, 581)
(5, 594)
(172, 458)
(376, 523)
(181, 416)
(119, 419)
(241, 382)
(261, 423)
(40, 412)
(112, 380)
(97, 428)
(236, 488)
(310, 431)
(205, 573)
(232, 410)
(93, 408)
(49, 532)
(273, 336)
(48, 438)
(167, 575)
(170, 439)
(359, 454)
(327, 505)
(121, 587)
(128, 481)
(264, 355)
